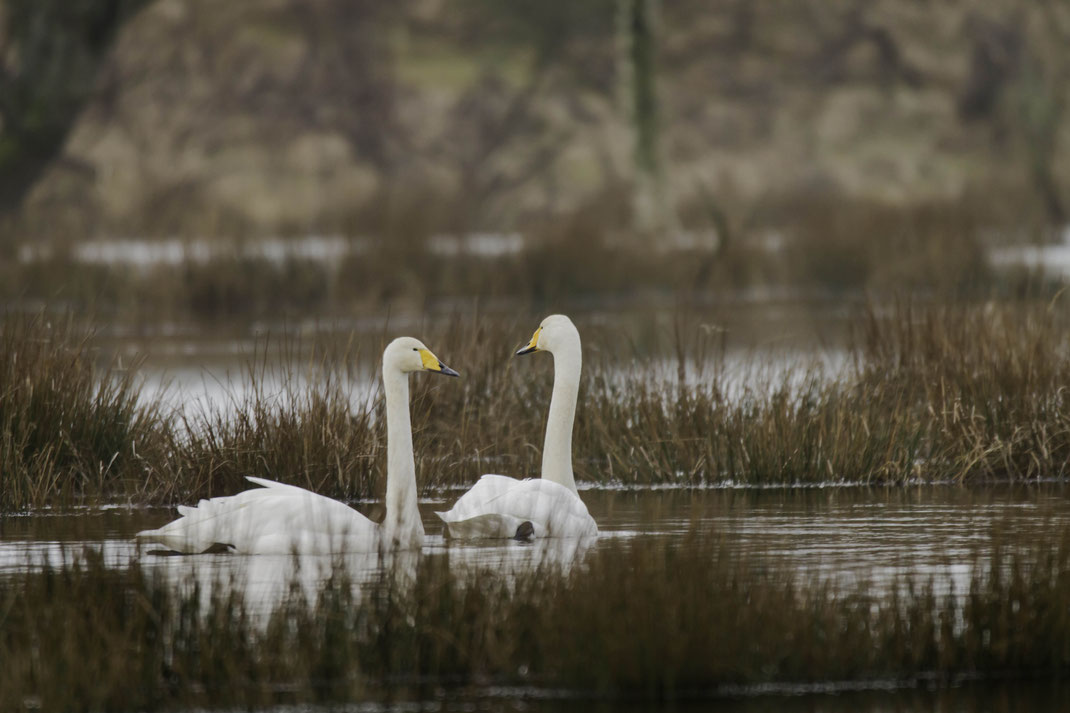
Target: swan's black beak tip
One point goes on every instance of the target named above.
(526, 350)
(443, 369)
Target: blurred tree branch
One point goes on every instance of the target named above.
(853, 30)
(50, 51)
(1042, 104)
(1018, 80)
(497, 116)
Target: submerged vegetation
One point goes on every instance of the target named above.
(928, 394)
(635, 618)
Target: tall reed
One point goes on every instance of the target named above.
(303, 425)
(926, 393)
(69, 427)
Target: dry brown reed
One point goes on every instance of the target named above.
(308, 431)
(929, 393)
(69, 429)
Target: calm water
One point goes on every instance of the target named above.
(847, 534)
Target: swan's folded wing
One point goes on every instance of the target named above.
(276, 485)
(551, 508)
(223, 520)
(266, 520)
(480, 498)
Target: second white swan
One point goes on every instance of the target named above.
(550, 506)
(284, 519)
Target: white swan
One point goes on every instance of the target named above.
(499, 506)
(281, 519)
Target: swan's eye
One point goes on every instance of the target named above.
(415, 349)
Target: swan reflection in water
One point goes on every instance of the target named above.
(478, 558)
(266, 582)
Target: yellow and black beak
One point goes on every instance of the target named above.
(431, 363)
(532, 345)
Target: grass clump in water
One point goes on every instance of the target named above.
(68, 428)
(987, 384)
(931, 393)
(309, 433)
(926, 393)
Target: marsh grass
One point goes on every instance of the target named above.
(69, 428)
(637, 619)
(986, 385)
(304, 427)
(928, 393)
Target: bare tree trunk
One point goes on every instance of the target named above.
(1042, 104)
(637, 29)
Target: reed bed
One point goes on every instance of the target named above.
(634, 619)
(69, 428)
(309, 432)
(929, 393)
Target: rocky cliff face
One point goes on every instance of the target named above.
(299, 116)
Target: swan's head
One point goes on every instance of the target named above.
(556, 331)
(407, 355)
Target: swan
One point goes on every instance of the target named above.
(283, 519)
(550, 506)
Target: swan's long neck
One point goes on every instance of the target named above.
(557, 449)
(402, 525)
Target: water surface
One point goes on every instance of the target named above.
(844, 533)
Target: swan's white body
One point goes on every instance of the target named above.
(497, 505)
(282, 519)
(274, 519)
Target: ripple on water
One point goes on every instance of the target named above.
(849, 536)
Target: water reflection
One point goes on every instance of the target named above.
(472, 558)
(918, 697)
(849, 535)
(268, 581)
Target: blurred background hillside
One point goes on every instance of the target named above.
(847, 143)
